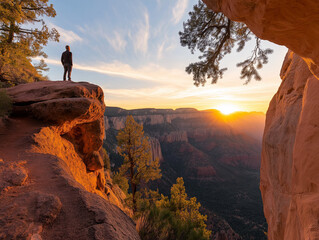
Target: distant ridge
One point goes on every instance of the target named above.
(117, 111)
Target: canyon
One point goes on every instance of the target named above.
(218, 156)
(52, 181)
(289, 169)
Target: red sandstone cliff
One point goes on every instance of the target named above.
(290, 157)
(52, 181)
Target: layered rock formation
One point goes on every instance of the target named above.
(202, 127)
(53, 182)
(289, 170)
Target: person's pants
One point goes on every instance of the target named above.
(67, 69)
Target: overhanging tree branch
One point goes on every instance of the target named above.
(214, 35)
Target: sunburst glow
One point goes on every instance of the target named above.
(227, 109)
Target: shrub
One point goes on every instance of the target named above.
(161, 223)
(175, 218)
(5, 104)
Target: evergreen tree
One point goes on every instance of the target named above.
(187, 209)
(214, 35)
(176, 218)
(23, 33)
(138, 166)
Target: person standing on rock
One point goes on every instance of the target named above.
(66, 60)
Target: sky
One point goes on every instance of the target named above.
(131, 49)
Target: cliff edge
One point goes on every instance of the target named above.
(52, 180)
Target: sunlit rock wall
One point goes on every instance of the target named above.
(290, 156)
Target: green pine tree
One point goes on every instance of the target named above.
(23, 33)
(214, 35)
(176, 218)
(138, 166)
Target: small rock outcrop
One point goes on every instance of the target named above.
(52, 174)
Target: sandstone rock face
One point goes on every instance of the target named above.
(52, 175)
(289, 168)
(294, 24)
(156, 149)
(176, 136)
(74, 110)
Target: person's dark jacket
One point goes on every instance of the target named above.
(66, 58)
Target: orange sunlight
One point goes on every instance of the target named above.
(226, 108)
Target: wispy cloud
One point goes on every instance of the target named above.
(150, 72)
(179, 10)
(117, 41)
(160, 50)
(67, 36)
(187, 95)
(164, 47)
(141, 36)
(174, 86)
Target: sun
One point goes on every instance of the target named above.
(227, 109)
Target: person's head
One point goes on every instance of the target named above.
(67, 47)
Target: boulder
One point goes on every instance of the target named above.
(60, 104)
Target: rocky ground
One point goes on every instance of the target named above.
(53, 187)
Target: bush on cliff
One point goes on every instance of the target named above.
(175, 218)
(5, 104)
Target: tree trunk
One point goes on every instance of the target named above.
(133, 185)
(11, 33)
(134, 198)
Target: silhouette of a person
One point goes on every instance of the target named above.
(66, 60)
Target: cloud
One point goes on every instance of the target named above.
(141, 36)
(169, 96)
(155, 92)
(67, 36)
(150, 72)
(179, 10)
(117, 41)
(173, 87)
(160, 50)
(164, 47)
